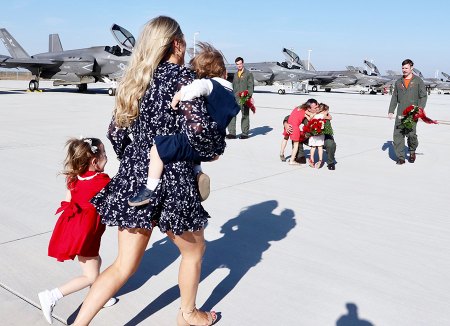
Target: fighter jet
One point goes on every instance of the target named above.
(429, 82)
(269, 72)
(72, 67)
(371, 78)
(443, 86)
(327, 79)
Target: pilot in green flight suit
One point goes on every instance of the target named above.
(408, 90)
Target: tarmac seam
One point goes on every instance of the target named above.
(34, 304)
(30, 236)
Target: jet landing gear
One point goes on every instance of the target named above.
(33, 85)
(111, 91)
(281, 91)
(82, 88)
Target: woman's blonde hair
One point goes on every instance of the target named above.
(154, 45)
(208, 62)
(80, 152)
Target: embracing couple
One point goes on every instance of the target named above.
(311, 109)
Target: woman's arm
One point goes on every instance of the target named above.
(119, 138)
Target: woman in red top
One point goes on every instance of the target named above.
(295, 120)
(78, 230)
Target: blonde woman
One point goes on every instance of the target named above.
(155, 73)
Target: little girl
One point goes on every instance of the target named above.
(78, 230)
(317, 141)
(295, 120)
(221, 107)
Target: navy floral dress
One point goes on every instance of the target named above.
(176, 205)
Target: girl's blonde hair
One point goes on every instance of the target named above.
(323, 107)
(154, 45)
(208, 63)
(80, 152)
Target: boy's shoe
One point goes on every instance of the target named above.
(204, 184)
(47, 304)
(110, 302)
(142, 197)
(412, 157)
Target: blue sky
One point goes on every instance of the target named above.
(339, 33)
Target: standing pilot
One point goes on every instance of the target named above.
(242, 80)
(408, 90)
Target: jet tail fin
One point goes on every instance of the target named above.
(54, 43)
(445, 75)
(12, 45)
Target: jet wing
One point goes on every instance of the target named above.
(9, 62)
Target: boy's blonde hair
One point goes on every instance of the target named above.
(208, 62)
(153, 46)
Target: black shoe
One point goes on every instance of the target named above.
(301, 160)
(243, 137)
(412, 157)
(142, 197)
(400, 161)
(331, 166)
(230, 136)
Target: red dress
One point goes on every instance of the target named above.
(78, 230)
(295, 120)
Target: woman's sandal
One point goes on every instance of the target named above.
(282, 158)
(311, 163)
(319, 164)
(182, 321)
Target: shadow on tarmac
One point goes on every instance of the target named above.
(352, 318)
(244, 240)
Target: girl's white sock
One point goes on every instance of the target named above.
(56, 294)
(152, 183)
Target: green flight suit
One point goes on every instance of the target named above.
(245, 82)
(415, 94)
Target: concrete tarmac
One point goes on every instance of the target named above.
(366, 244)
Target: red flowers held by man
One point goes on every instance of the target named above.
(247, 100)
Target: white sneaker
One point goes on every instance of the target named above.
(47, 304)
(110, 302)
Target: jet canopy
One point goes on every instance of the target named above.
(123, 37)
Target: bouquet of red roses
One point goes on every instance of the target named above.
(247, 100)
(314, 127)
(411, 115)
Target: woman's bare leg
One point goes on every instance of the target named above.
(294, 153)
(132, 245)
(90, 267)
(192, 248)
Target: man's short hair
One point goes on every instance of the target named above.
(311, 101)
(408, 62)
(238, 59)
